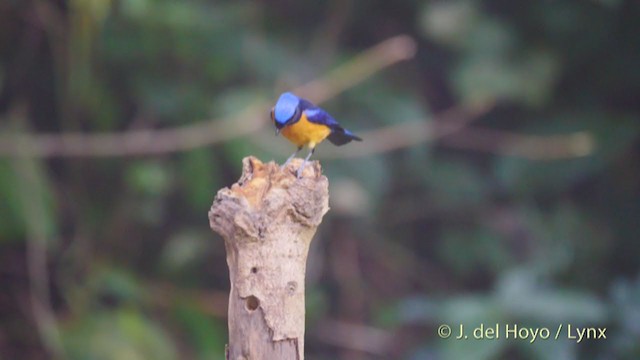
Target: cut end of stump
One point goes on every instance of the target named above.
(264, 191)
(258, 177)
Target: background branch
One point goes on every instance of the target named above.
(249, 120)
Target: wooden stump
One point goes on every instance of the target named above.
(267, 220)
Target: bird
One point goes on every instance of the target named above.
(304, 123)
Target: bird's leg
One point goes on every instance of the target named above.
(305, 162)
(291, 158)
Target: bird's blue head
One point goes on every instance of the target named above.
(286, 109)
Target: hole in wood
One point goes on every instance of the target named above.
(252, 303)
(254, 270)
(291, 287)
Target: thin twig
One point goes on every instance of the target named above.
(251, 119)
(362, 67)
(450, 126)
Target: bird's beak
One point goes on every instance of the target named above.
(277, 132)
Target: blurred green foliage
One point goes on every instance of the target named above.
(527, 214)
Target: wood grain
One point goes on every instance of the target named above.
(268, 219)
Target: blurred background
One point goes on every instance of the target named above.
(498, 180)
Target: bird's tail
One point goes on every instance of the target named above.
(342, 136)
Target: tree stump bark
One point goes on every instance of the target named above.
(267, 220)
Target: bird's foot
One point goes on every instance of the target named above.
(301, 169)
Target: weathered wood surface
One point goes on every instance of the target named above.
(267, 220)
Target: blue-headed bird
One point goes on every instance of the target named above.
(303, 123)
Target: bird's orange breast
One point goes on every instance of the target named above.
(303, 132)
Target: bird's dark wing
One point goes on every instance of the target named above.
(318, 116)
(342, 136)
(339, 135)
